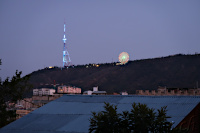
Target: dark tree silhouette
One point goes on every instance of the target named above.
(141, 119)
(105, 121)
(11, 91)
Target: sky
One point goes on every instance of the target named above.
(97, 31)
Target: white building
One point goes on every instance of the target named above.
(124, 93)
(94, 92)
(69, 90)
(35, 92)
(43, 92)
(89, 92)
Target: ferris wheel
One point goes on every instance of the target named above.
(123, 58)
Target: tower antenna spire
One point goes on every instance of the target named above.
(66, 58)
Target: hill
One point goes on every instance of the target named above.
(182, 71)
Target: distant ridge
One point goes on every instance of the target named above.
(182, 71)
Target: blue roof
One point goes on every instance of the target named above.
(71, 113)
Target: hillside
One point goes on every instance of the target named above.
(182, 71)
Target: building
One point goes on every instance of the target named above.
(169, 92)
(124, 93)
(43, 92)
(68, 90)
(39, 101)
(26, 103)
(89, 92)
(94, 92)
(23, 107)
(40, 97)
(71, 113)
(22, 112)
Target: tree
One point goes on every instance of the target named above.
(105, 121)
(11, 91)
(141, 119)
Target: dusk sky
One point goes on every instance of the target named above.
(31, 31)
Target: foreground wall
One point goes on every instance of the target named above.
(192, 121)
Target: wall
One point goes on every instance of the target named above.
(192, 121)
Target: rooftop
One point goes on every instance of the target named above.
(71, 113)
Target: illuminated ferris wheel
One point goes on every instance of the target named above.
(123, 58)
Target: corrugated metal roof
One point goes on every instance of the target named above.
(71, 113)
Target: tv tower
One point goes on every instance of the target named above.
(66, 58)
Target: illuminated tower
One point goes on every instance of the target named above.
(66, 58)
